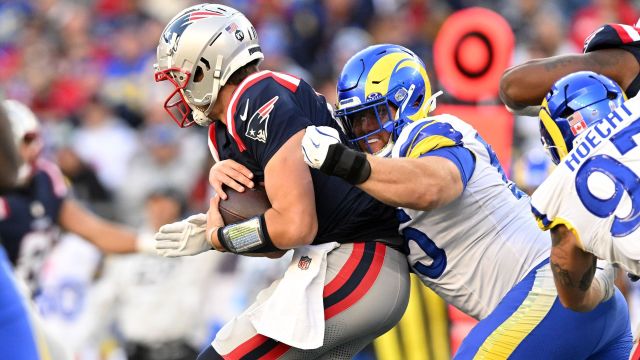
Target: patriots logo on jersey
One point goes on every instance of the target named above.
(257, 125)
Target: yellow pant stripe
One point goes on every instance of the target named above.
(506, 338)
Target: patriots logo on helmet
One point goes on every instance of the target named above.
(257, 125)
(180, 24)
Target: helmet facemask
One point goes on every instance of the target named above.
(368, 124)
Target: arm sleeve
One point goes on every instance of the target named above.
(462, 158)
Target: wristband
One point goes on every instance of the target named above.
(247, 236)
(346, 163)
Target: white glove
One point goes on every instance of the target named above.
(316, 142)
(604, 278)
(183, 238)
(146, 243)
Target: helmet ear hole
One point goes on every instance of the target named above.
(199, 75)
(418, 100)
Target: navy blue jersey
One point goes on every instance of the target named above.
(28, 218)
(267, 109)
(617, 36)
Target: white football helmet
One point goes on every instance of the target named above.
(24, 123)
(26, 131)
(198, 51)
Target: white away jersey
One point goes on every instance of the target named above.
(595, 190)
(477, 248)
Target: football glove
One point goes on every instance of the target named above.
(316, 142)
(322, 149)
(183, 238)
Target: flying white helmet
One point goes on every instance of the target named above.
(198, 51)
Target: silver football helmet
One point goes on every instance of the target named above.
(198, 51)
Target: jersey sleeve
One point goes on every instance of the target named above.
(461, 157)
(434, 138)
(617, 36)
(613, 36)
(270, 120)
(556, 202)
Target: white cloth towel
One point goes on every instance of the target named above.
(294, 314)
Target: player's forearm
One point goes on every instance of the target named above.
(422, 184)
(114, 239)
(284, 230)
(573, 271)
(526, 84)
(291, 229)
(107, 236)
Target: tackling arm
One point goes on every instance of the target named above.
(423, 184)
(527, 84)
(573, 272)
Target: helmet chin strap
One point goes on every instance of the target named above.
(200, 117)
(431, 102)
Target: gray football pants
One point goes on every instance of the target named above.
(365, 294)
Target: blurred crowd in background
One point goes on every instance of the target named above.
(85, 68)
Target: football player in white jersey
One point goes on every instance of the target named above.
(468, 231)
(589, 200)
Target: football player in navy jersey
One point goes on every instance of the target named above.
(612, 50)
(34, 212)
(210, 53)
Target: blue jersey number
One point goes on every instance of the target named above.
(437, 255)
(623, 178)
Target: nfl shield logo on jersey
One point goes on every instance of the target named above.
(577, 123)
(304, 262)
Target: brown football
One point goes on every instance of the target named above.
(241, 206)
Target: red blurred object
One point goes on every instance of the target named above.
(471, 51)
(589, 18)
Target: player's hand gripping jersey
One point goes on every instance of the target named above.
(617, 36)
(594, 190)
(460, 250)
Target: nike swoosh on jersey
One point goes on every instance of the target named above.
(243, 117)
